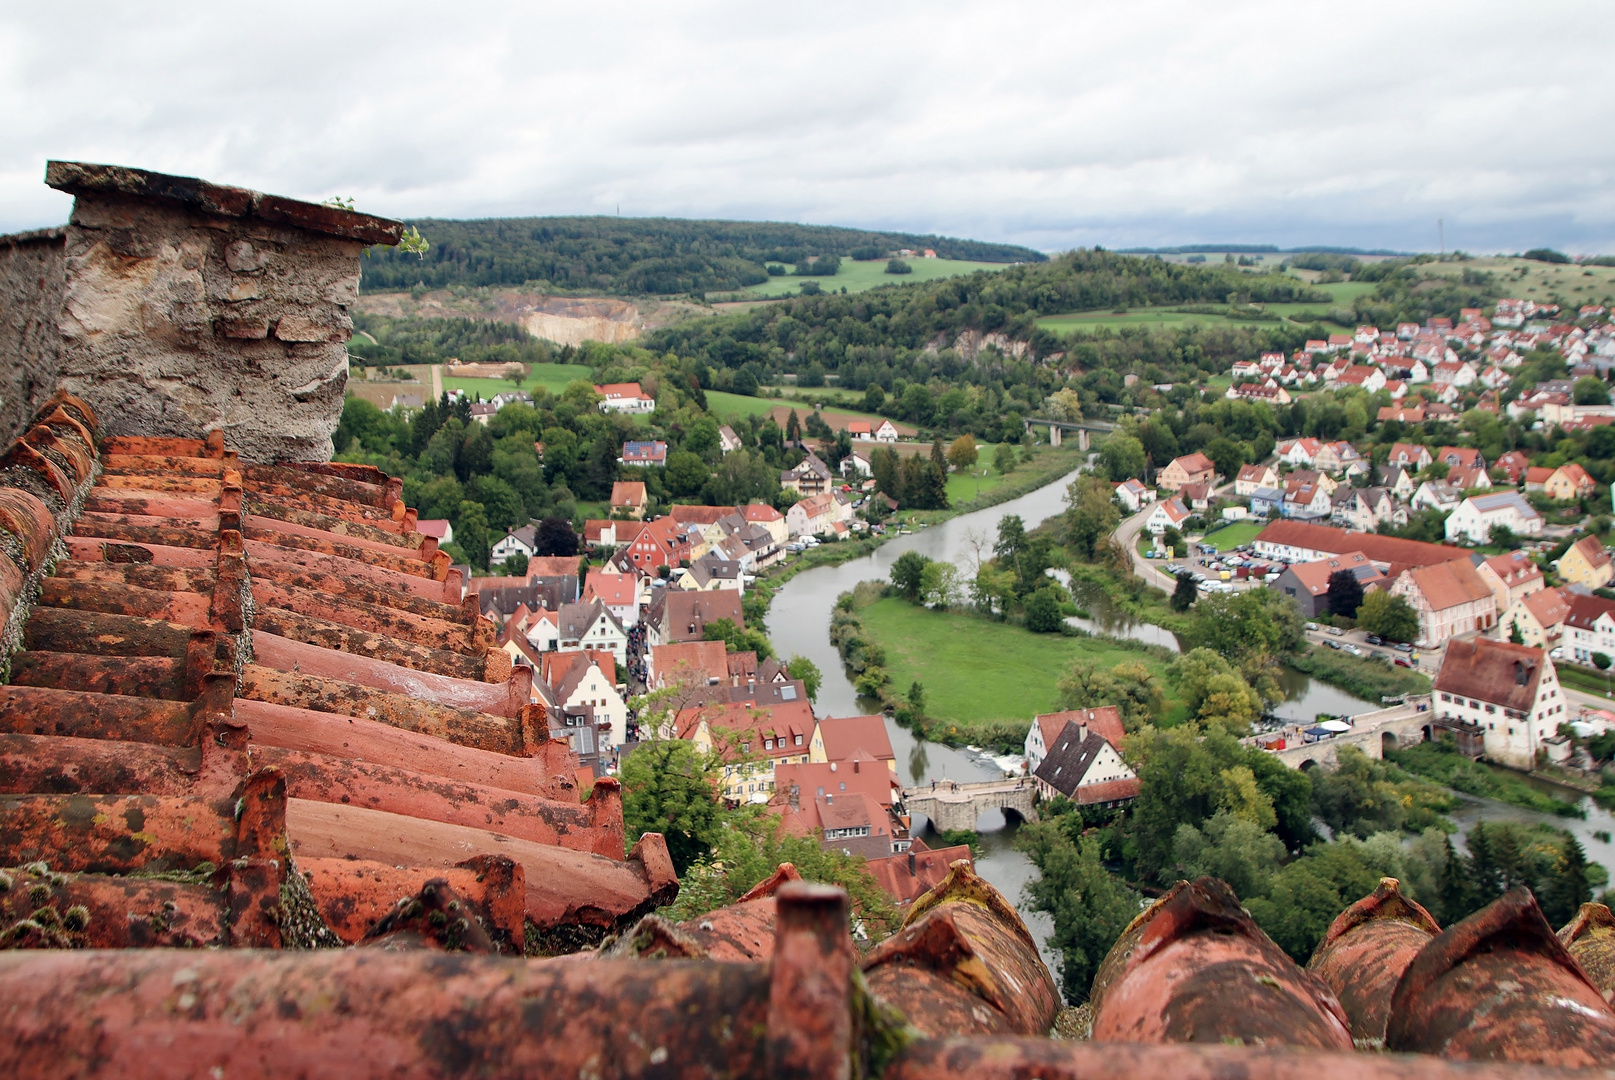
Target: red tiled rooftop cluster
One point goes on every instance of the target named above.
(278, 635)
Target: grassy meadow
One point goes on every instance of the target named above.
(975, 671)
(861, 276)
(1166, 317)
(551, 377)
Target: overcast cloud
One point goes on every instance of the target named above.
(1050, 124)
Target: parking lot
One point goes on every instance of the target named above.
(1230, 572)
(1356, 643)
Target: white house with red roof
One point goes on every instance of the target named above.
(1133, 495)
(1047, 727)
(1168, 514)
(1299, 452)
(625, 398)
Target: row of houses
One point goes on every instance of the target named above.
(1453, 591)
(1425, 359)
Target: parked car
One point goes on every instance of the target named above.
(1335, 631)
(1375, 639)
(1313, 627)
(1354, 650)
(1333, 644)
(1557, 654)
(1402, 646)
(1402, 661)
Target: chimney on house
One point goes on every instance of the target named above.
(910, 862)
(191, 307)
(1522, 673)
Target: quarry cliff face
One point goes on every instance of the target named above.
(572, 322)
(183, 308)
(564, 320)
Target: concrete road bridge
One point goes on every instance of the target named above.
(1083, 428)
(1373, 733)
(951, 805)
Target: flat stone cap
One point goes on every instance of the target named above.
(80, 178)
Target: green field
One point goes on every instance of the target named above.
(1342, 293)
(968, 486)
(551, 377)
(975, 671)
(724, 405)
(859, 276)
(1231, 536)
(1563, 283)
(1154, 318)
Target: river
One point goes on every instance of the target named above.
(799, 623)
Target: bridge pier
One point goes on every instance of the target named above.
(1054, 435)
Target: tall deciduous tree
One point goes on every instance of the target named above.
(1122, 457)
(669, 786)
(962, 453)
(1090, 906)
(1185, 593)
(1389, 616)
(908, 574)
(800, 667)
(1091, 516)
(1345, 594)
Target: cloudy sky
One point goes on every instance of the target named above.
(1050, 124)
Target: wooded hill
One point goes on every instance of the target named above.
(884, 324)
(638, 256)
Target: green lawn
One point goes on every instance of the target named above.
(1231, 536)
(975, 671)
(724, 405)
(965, 487)
(859, 276)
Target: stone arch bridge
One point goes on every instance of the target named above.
(1400, 725)
(952, 805)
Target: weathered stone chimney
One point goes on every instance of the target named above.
(187, 307)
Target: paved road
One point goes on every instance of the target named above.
(1127, 536)
(1586, 699)
(1429, 659)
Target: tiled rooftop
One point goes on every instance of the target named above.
(212, 631)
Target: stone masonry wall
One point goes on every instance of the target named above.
(190, 307)
(32, 280)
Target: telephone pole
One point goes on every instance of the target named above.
(1441, 236)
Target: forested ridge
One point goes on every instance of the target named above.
(638, 256)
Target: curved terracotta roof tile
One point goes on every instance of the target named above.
(1364, 953)
(1499, 986)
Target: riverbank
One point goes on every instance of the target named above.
(1441, 763)
(1370, 679)
(981, 680)
(1049, 466)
